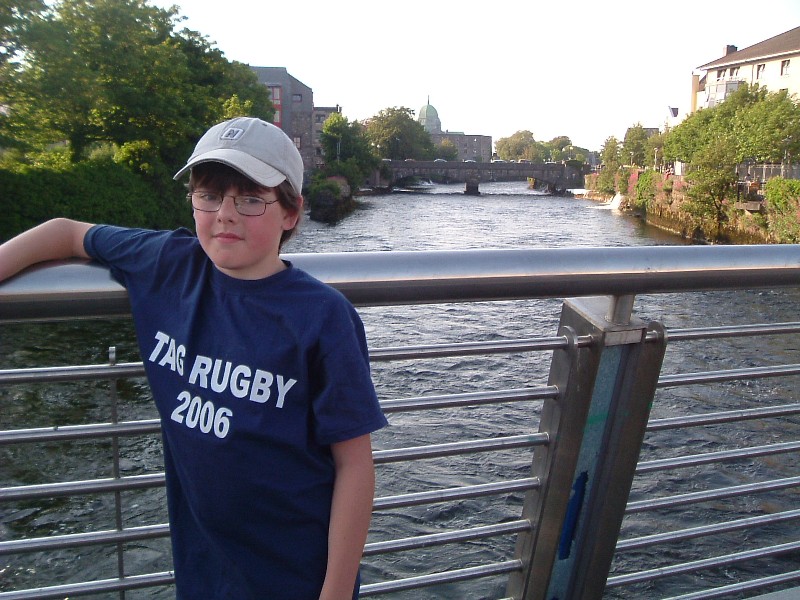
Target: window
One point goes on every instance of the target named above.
(734, 72)
(760, 70)
(277, 117)
(297, 142)
(721, 74)
(784, 67)
(297, 97)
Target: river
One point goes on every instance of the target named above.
(505, 215)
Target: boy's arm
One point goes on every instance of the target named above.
(55, 239)
(351, 510)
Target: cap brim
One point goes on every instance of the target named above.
(252, 168)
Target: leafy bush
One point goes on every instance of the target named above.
(96, 191)
(350, 169)
(324, 187)
(783, 210)
(645, 189)
(606, 183)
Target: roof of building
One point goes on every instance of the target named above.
(784, 43)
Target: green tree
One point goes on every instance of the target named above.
(347, 150)
(114, 71)
(712, 181)
(215, 79)
(654, 150)
(751, 124)
(763, 127)
(522, 145)
(689, 137)
(93, 72)
(610, 163)
(14, 18)
(515, 146)
(396, 134)
(634, 146)
(447, 150)
(558, 148)
(768, 130)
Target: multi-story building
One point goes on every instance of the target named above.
(470, 147)
(294, 109)
(767, 63)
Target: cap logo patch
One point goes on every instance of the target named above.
(231, 133)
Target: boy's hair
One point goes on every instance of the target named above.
(217, 177)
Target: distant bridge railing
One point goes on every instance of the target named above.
(556, 177)
(577, 458)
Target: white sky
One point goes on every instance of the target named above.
(587, 70)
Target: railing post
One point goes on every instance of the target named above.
(596, 427)
(114, 383)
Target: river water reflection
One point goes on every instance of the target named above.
(505, 215)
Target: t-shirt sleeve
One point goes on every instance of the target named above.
(125, 251)
(345, 403)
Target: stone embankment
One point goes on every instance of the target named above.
(667, 212)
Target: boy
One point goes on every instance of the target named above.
(260, 374)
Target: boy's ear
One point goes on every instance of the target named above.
(292, 218)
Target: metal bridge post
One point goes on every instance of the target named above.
(596, 427)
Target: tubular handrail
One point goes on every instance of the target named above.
(458, 493)
(713, 457)
(715, 528)
(716, 561)
(76, 289)
(447, 537)
(716, 494)
(77, 540)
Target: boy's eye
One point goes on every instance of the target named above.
(251, 200)
(207, 196)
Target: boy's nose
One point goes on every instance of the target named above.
(227, 209)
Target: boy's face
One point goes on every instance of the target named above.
(244, 247)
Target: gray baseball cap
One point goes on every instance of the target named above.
(258, 150)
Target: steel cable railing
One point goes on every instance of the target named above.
(151, 426)
(651, 271)
(675, 538)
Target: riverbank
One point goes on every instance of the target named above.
(667, 210)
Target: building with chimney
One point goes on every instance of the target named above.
(773, 64)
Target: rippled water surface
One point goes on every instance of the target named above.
(505, 215)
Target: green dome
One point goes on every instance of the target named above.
(428, 112)
(429, 118)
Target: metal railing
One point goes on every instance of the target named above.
(577, 489)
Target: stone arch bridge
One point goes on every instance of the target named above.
(554, 177)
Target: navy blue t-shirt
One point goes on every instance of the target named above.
(254, 380)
